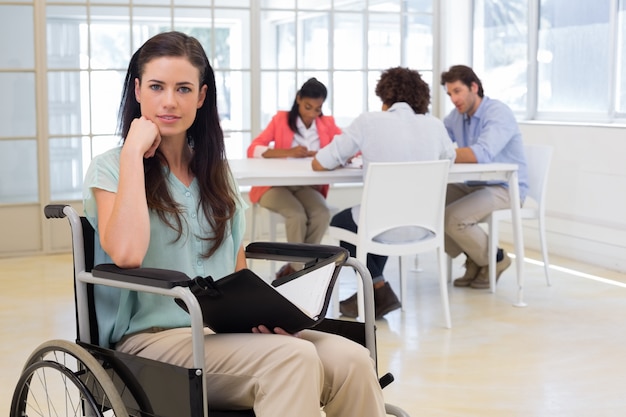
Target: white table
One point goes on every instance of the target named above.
(277, 171)
(282, 172)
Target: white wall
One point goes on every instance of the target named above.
(586, 197)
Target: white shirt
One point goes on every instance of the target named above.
(395, 135)
(307, 137)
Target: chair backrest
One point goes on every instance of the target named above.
(538, 158)
(403, 194)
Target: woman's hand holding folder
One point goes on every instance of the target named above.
(277, 330)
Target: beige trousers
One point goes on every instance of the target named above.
(466, 206)
(305, 211)
(273, 374)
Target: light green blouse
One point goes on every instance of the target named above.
(122, 312)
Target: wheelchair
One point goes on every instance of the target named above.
(63, 378)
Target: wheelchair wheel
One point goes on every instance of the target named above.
(61, 378)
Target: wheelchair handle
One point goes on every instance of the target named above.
(54, 211)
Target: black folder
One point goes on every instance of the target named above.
(240, 301)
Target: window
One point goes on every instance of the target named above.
(18, 145)
(88, 44)
(573, 56)
(345, 46)
(88, 52)
(500, 49)
(578, 49)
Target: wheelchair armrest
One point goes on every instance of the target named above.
(153, 277)
(165, 278)
(293, 252)
(151, 280)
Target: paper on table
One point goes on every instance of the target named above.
(307, 295)
(356, 162)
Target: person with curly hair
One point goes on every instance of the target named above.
(403, 131)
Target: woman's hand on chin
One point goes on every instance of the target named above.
(145, 135)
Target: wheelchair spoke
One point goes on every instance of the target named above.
(41, 402)
(63, 380)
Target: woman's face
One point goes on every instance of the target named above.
(170, 94)
(309, 108)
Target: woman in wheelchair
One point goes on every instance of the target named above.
(166, 199)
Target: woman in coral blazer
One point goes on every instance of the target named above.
(298, 133)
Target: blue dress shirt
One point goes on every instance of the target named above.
(493, 135)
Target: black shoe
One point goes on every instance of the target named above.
(385, 301)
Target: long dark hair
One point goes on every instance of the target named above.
(310, 89)
(208, 164)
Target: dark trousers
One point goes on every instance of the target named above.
(375, 263)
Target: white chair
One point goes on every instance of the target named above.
(397, 221)
(538, 158)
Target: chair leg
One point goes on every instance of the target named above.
(449, 268)
(416, 264)
(493, 252)
(255, 213)
(274, 221)
(443, 286)
(253, 226)
(403, 284)
(544, 248)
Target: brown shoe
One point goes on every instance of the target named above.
(285, 270)
(482, 280)
(385, 301)
(349, 307)
(471, 272)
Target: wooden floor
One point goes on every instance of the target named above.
(562, 355)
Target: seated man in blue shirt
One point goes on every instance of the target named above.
(485, 131)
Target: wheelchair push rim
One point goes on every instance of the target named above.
(61, 378)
